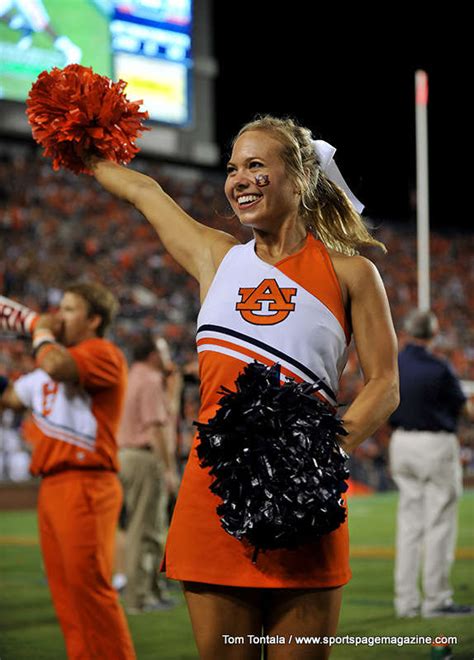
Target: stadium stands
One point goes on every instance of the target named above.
(56, 227)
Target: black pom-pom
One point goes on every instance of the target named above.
(276, 464)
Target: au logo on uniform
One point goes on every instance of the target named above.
(49, 392)
(276, 299)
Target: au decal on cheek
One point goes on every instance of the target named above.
(262, 180)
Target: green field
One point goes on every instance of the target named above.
(28, 628)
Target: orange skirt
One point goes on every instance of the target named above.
(199, 550)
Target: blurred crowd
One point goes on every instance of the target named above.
(56, 228)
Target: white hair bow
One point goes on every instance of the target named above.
(325, 155)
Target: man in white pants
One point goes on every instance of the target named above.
(425, 465)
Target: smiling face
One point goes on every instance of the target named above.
(77, 323)
(256, 158)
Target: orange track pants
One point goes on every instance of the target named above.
(78, 512)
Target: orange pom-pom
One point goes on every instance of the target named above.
(76, 113)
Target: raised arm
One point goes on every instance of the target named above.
(195, 247)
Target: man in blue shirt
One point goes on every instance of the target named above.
(425, 465)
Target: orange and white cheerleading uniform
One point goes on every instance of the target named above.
(73, 433)
(292, 313)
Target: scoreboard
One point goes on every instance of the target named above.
(148, 43)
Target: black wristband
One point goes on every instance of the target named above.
(40, 346)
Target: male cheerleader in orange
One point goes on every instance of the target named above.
(76, 395)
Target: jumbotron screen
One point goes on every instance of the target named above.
(145, 42)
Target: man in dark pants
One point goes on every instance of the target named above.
(425, 465)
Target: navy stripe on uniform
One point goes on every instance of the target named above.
(270, 349)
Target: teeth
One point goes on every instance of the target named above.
(245, 199)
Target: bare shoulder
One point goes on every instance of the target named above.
(364, 294)
(350, 272)
(353, 271)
